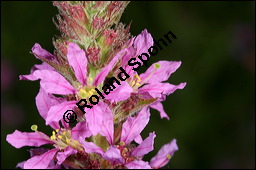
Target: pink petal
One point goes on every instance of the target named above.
(44, 101)
(138, 45)
(54, 167)
(100, 120)
(21, 165)
(78, 61)
(130, 52)
(40, 162)
(90, 147)
(120, 93)
(138, 139)
(134, 125)
(38, 50)
(61, 156)
(161, 159)
(30, 77)
(161, 74)
(107, 126)
(56, 112)
(80, 130)
(159, 107)
(113, 154)
(94, 119)
(145, 147)
(19, 139)
(142, 42)
(138, 165)
(53, 82)
(43, 66)
(37, 151)
(160, 90)
(104, 72)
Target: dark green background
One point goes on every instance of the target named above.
(213, 118)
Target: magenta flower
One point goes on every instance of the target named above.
(151, 83)
(164, 155)
(37, 152)
(153, 79)
(121, 153)
(65, 140)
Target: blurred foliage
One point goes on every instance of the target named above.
(213, 118)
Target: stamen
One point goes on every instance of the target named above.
(151, 74)
(157, 65)
(64, 133)
(67, 140)
(53, 133)
(90, 92)
(34, 127)
(53, 137)
(122, 143)
(125, 150)
(82, 91)
(57, 130)
(86, 92)
(60, 137)
(133, 82)
(168, 156)
(138, 84)
(138, 77)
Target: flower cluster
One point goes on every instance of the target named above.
(91, 49)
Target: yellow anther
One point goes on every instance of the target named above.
(122, 143)
(84, 94)
(157, 65)
(67, 140)
(60, 137)
(168, 156)
(82, 91)
(57, 130)
(64, 133)
(138, 77)
(90, 92)
(133, 82)
(138, 84)
(34, 127)
(53, 137)
(90, 79)
(53, 133)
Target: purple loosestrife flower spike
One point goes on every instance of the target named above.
(95, 64)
